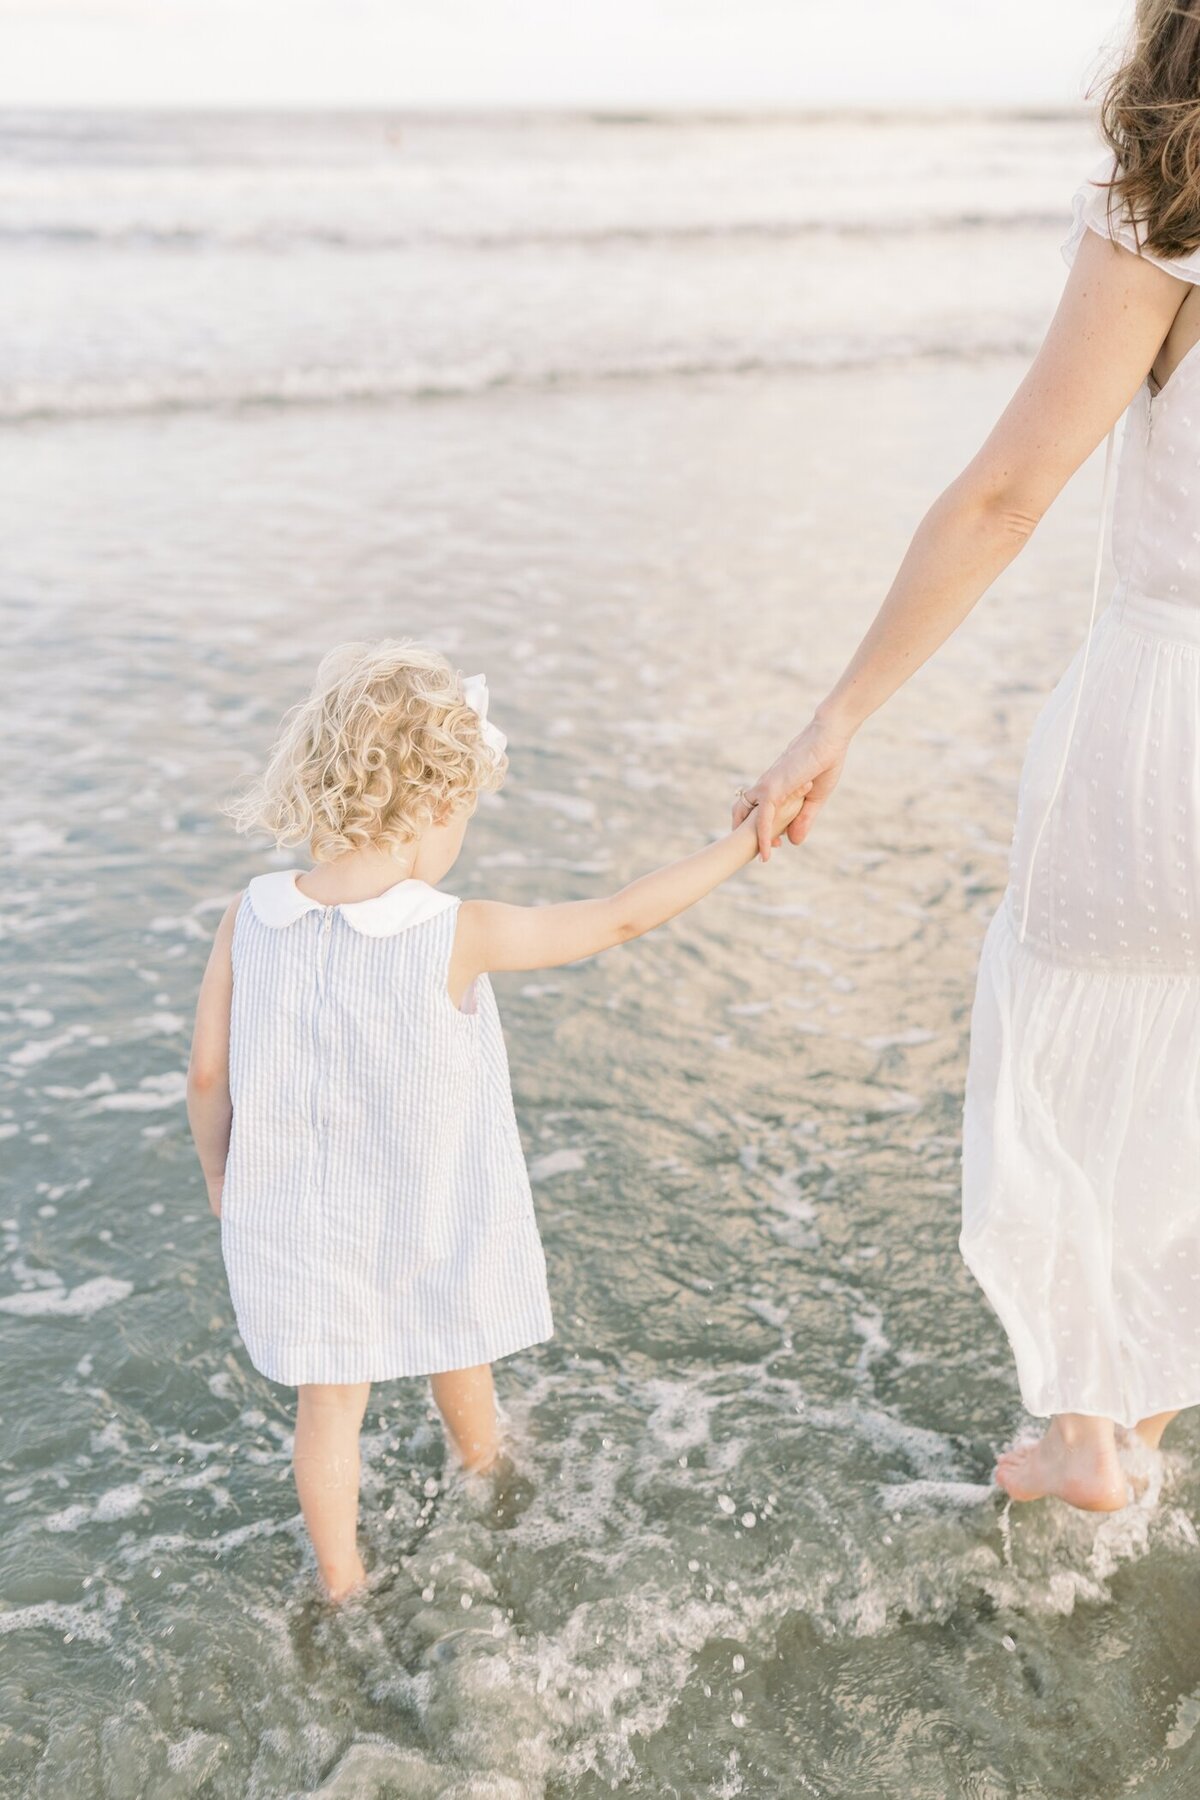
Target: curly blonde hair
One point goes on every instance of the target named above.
(384, 745)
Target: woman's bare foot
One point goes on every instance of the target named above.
(339, 1584)
(1150, 1430)
(1075, 1460)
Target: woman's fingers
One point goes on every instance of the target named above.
(803, 822)
(790, 808)
(793, 790)
(779, 800)
(765, 822)
(818, 798)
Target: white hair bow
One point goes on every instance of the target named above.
(475, 694)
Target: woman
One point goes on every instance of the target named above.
(1081, 1153)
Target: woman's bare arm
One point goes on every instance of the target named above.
(1114, 314)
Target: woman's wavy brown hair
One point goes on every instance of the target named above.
(1150, 118)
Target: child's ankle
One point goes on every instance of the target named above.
(337, 1576)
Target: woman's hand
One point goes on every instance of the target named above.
(808, 769)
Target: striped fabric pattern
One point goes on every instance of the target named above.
(376, 1218)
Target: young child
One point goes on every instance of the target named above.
(348, 1089)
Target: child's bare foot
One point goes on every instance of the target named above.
(1075, 1460)
(512, 1493)
(339, 1583)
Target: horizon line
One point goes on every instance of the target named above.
(601, 112)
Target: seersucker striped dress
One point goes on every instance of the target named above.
(376, 1218)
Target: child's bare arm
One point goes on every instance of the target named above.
(491, 935)
(210, 1111)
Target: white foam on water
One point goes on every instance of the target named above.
(38, 1018)
(164, 1024)
(783, 909)
(557, 1162)
(70, 1518)
(103, 1084)
(508, 1712)
(900, 1040)
(571, 806)
(876, 1343)
(639, 779)
(37, 1050)
(932, 1453)
(188, 926)
(110, 1437)
(28, 840)
(1185, 1722)
(895, 1100)
(79, 1302)
(152, 1092)
(791, 1214)
(929, 1496)
(117, 1503)
(373, 1767)
(163, 1544)
(503, 859)
(89, 1623)
(30, 1277)
(770, 1312)
(196, 1754)
(680, 1417)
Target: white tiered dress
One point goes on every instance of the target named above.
(1081, 1141)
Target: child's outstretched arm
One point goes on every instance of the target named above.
(210, 1110)
(491, 935)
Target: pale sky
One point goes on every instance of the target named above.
(551, 52)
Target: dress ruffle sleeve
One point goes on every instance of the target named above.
(1091, 213)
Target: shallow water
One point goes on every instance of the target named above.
(751, 1549)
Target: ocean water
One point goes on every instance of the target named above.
(637, 416)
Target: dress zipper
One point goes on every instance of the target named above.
(318, 1092)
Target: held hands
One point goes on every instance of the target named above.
(796, 786)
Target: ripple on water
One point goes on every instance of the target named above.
(754, 1550)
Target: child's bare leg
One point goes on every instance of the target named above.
(466, 1400)
(1150, 1430)
(325, 1461)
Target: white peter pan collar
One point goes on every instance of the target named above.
(278, 902)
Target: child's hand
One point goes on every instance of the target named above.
(810, 765)
(785, 812)
(214, 1184)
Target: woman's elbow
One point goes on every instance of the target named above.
(1003, 508)
(1014, 520)
(993, 524)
